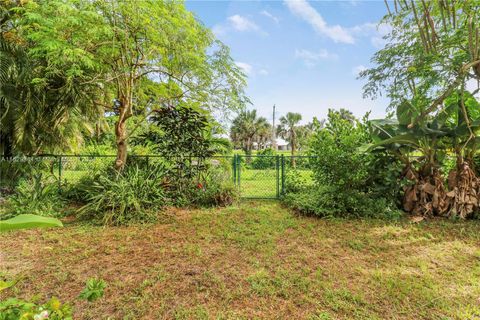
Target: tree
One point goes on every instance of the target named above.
(163, 41)
(433, 50)
(344, 114)
(289, 130)
(245, 128)
(130, 45)
(42, 102)
(263, 135)
(304, 134)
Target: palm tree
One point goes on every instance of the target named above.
(49, 116)
(263, 135)
(288, 129)
(244, 130)
(344, 114)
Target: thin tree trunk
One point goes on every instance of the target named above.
(294, 163)
(121, 133)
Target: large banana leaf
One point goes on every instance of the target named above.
(25, 221)
(408, 139)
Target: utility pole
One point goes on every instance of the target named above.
(274, 138)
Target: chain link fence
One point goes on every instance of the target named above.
(255, 176)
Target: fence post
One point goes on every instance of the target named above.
(283, 174)
(234, 169)
(60, 173)
(239, 169)
(277, 165)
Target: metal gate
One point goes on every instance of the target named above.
(259, 176)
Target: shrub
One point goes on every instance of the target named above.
(38, 194)
(265, 159)
(296, 181)
(327, 201)
(347, 182)
(14, 170)
(337, 161)
(215, 188)
(215, 193)
(120, 198)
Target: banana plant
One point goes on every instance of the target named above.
(452, 130)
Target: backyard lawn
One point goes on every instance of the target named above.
(254, 260)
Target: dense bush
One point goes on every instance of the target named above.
(216, 189)
(38, 194)
(296, 180)
(328, 201)
(347, 182)
(15, 169)
(265, 159)
(116, 198)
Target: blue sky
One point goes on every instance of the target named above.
(303, 56)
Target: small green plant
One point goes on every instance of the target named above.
(94, 289)
(14, 309)
(36, 195)
(119, 198)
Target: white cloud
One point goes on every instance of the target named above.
(247, 68)
(271, 16)
(312, 58)
(237, 23)
(263, 72)
(219, 30)
(240, 23)
(356, 70)
(375, 31)
(305, 11)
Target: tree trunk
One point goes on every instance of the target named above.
(8, 145)
(121, 133)
(294, 163)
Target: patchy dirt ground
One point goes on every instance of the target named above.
(255, 260)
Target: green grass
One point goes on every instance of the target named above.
(263, 183)
(255, 260)
(253, 183)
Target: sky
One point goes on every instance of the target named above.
(303, 56)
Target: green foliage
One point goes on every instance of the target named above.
(38, 194)
(337, 161)
(116, 198)
(181, 134)
(247, 128)
(290, 130)
(431, 50)
(216, 189)
(348, 183)
(295, 181)
(15, 309)
(25, 221)
(94, 289)
(330, 202)
(264, 159)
